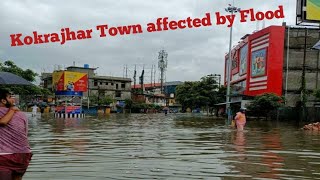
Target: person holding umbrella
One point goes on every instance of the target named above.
(15, 151)
(7, 117)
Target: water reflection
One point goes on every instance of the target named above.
(155, 146)
(271, 141)
(240, 144)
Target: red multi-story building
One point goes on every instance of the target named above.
(257, 62)
(274, 60)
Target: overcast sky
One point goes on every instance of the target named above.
(192, 53)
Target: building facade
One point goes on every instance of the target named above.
(152, 93)
(116, 88)
(272, 61)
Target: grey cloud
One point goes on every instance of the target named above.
(193, 53)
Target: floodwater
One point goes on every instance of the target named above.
(155, 146)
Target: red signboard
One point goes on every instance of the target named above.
(70, 81)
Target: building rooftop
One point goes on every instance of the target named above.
(77, 67)
(111, 78)
(157, 85)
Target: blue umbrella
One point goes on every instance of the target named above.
(7, 78)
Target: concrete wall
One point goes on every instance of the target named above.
(111, 86)
(124, 95)
(295, 64)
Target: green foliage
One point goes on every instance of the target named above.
(93, 99)
(138, 106)
(185, 94)
(10, 66)
(265, 103)
(107, 100)
(221, 94)
(100, 101)
(128, 103)
(201, 93)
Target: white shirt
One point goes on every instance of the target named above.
(34, 108)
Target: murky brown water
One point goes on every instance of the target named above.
(142, 146)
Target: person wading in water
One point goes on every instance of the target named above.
(241, 119)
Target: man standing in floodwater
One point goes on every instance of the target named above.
(15, 152)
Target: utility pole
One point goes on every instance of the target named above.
(162, 64)
(126, 71)
(151, 74)
(141, 78)
(123, 71)
(134, 77)
(88, 98)
(231, 9)
(303, 77)
(154, 76)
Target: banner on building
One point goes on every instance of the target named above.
(313, 10)
(68, 93)
(243, 59)
(69, 109)
(235, 62)
(308, 12)
(70, 81)
(259, 62)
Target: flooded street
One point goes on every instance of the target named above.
(154, 146)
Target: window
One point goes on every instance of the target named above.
(118, 94)
(95, 83)
(100, 83)
(123, 85)
(117, 86)
(111, 84)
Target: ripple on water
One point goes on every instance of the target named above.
(140, 146)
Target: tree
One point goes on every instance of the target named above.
(10, 66)
(221, 94)
(265, 103)
(106, 100)
(198, 94)
(100, 101)
(128, 103)
(185, 94)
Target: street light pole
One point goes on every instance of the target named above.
(231, 9)
(88, 99)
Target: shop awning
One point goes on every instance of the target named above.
(227, 103)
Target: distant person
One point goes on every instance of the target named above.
(165, 109)
(34, 110)
(52, 109)
(241, 119)
(42, 109)
(15, 152)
